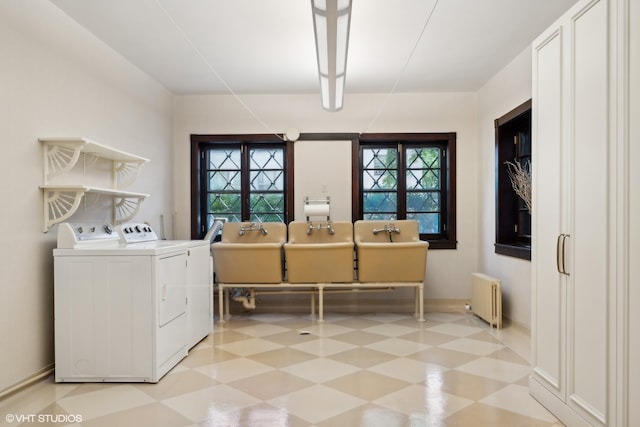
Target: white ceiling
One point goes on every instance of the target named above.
(267, 46)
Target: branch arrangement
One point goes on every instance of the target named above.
(520, 177)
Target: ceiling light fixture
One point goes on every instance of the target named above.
(331, 21)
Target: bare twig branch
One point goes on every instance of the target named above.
(520, 177)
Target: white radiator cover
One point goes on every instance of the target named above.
(486, 299)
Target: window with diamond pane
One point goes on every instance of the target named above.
(224, 184)
(380, 183)
(242, 181)
(266, 184)
(409, 179)
(423, 183)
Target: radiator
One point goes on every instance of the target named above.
(486, 300)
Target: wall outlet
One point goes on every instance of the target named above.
(467, 307)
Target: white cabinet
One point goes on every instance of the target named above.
(577, 211)
(72, 171)
(630, 295)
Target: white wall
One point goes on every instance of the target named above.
(505, 91)
(319, 179)
(57, 80)
(448, 271)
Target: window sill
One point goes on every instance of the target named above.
(442, 244)
(516, 251)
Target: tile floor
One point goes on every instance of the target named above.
(288, 370)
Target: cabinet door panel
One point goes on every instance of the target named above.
(588, 290)
(548, 300)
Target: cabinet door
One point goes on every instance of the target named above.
(548, 290)
(172, 287)
(591, 222)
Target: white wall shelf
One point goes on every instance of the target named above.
(61, 201)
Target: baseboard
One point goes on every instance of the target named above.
(38, 376)
(554, 405)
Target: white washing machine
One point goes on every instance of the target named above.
(128, 306)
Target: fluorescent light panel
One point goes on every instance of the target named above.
(331, 20)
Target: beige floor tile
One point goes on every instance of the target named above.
(260, 414)
(479, 414)
(271, 384)
(233, 370)
(326, 329)
(443, 357)
(206, 356)
(398, 346)
(409, 370)
(516, 398)
(249, 347)
(317, 403)
(262, 330)
(454, 329)
(220, 403)
(155, 414)
(427, 336)
(292, 337)
(323, 347)
(177, 383)
(362, 357)
(101, 402)
(468, 386)
(508, 355)
(368, 415)
(425, 408)
(496, 369)
(282, 357)
(389, 330)
(478, 348)
(321, 369)
(357, 322)
(367, 385)
(360, 338)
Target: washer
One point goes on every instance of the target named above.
(128, 306)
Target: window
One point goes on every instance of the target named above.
(240, 178)
(408, 176)
(513, 219)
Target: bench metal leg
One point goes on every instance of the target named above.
(320, 303)
(420, 301)
(221, 303)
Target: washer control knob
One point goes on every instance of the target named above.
(138, 228)
(107, 229)
(80, 230)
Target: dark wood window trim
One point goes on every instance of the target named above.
(199, 143)
(448, 240)
(509, 213)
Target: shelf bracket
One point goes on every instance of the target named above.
(59, 158)
(125, 208)
(126, 172)
(59, 205)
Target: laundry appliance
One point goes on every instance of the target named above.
(128, 306)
